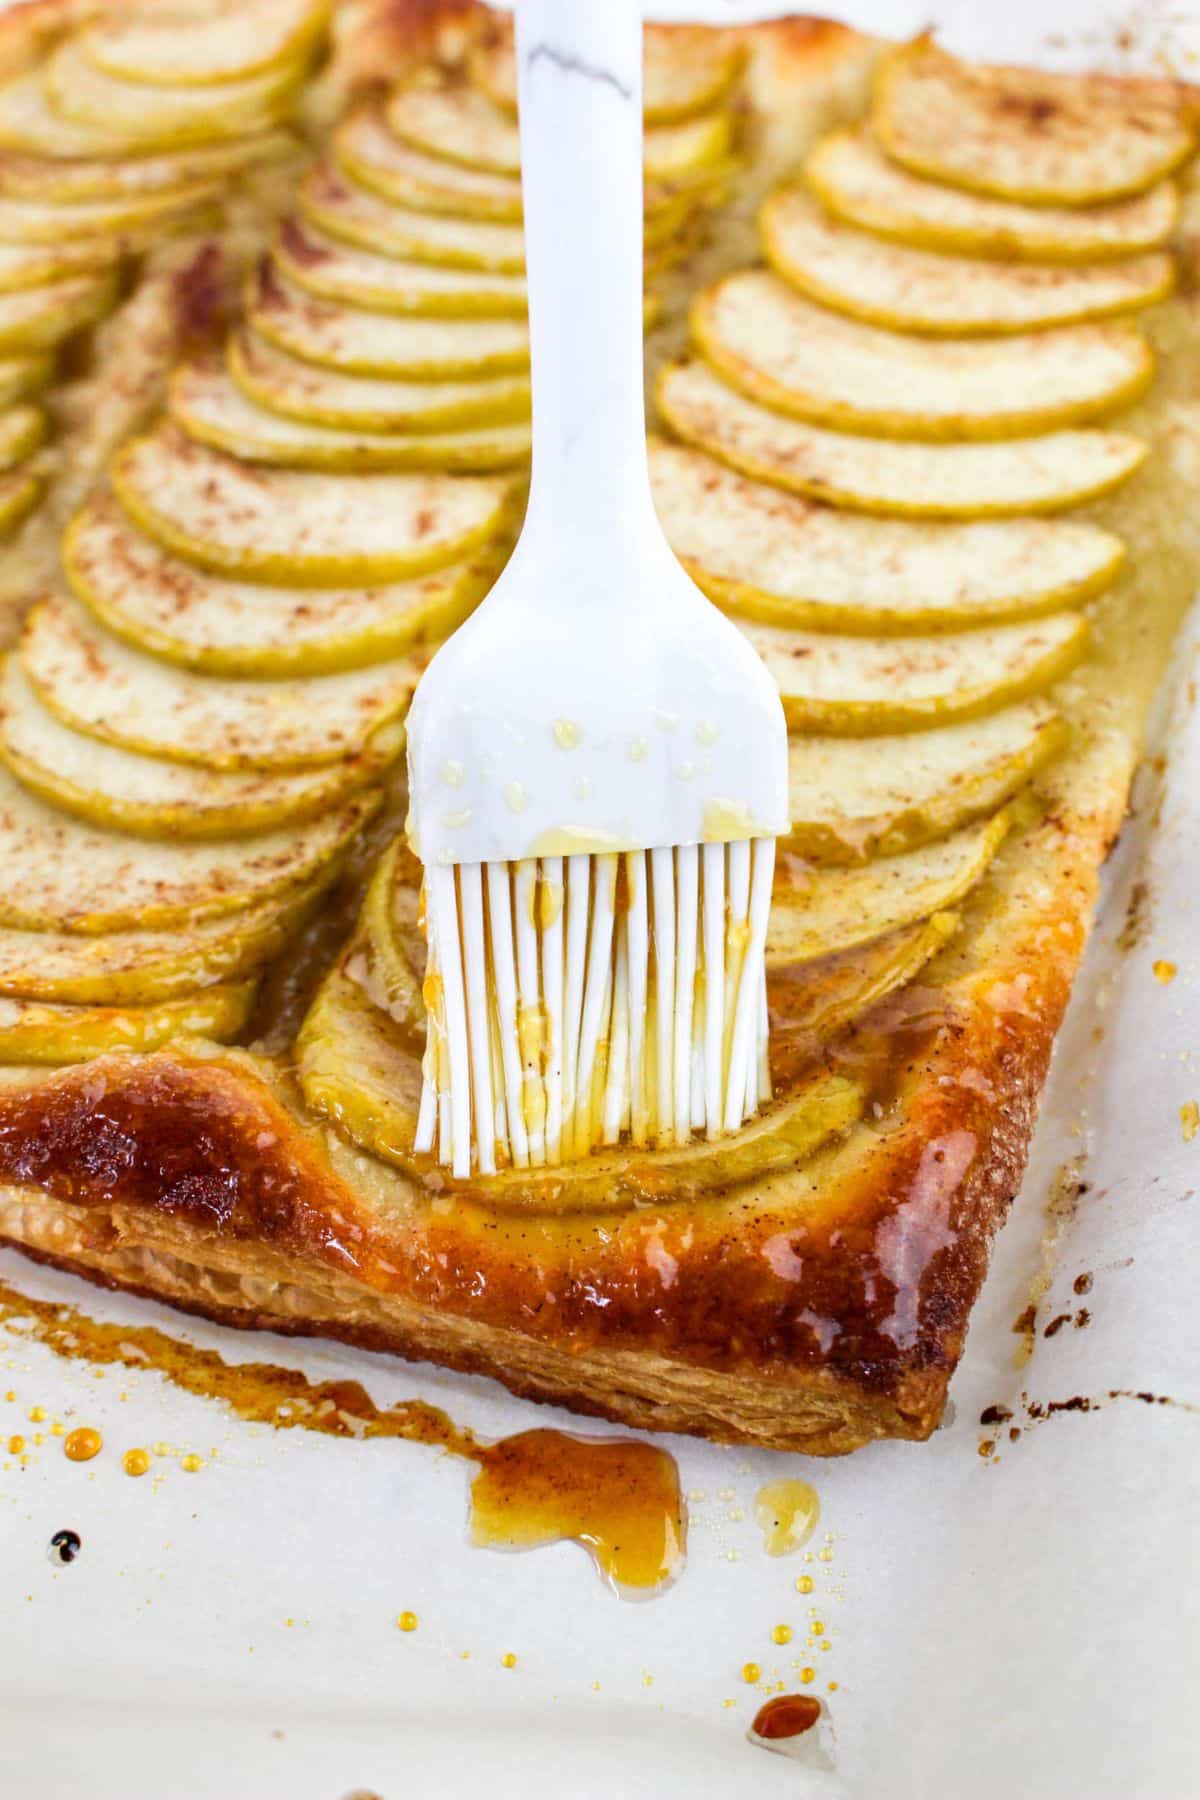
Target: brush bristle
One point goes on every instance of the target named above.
(577, 1002)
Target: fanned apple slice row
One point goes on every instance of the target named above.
(802, 359)
(19, 494)
(153, 797)
(138, 968)
(822, 911)
(38, 318)
(858, 184)
(206, 402)
(63, 875)
(685, 70)
(788, 561)
(103, 688)
(69, 223)
(450, 119)
(352, 214)
(1024, 134)
(165, 117)
(319, 265)
(22, 429)
(300, 529)
(861, 687)
(38, 1032)
(874, 475)
(372, 343)
(319, 396)
(905, 289)
(855, 798)
(375, 158)
(167, 608)
(225, 42)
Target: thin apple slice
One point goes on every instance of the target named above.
(69, 224)
(818, 999)
(139, 968)
(863, 687)
(30, 127)
(19, 494)
(210, 406)
(1027, 135)
(35, 265)
(101, 687)
(850, 799)
(227, 41)
(22, 429)
(373, 343)
(38, 318)
(348, 212)
(875, 475)
(907, 289)
(390, 926)
(165, 117)
(784, 560)
(217, 626)
(857, 183)
(376, 159)
(318, 264)
(67, 876)
(685, 70)
(41, 1032)
(22, 376)
(780, 349)
(353, 215)
(315, 395)
(446, 117)
(122, 178)
(152, 797)
(299, 529)
(356, 1069)
(819, 911)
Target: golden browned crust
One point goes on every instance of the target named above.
(817, 1311)
(816, 1315)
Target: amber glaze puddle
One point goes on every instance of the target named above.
(619, 1498)
(787, 1716)
(787, 1514)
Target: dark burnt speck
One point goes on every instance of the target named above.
(64, 1546)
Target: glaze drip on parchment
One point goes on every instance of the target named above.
(618, 1497)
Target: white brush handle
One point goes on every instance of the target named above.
(579, 73)
(595, 701)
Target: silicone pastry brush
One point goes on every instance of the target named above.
(597, 758)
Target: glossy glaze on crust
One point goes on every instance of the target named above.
(838, 1303)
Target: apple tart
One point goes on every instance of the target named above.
(925, 429)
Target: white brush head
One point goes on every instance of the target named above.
(594, 704)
